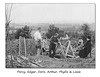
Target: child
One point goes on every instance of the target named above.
(44, 44)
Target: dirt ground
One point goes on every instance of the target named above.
(56, 62)
(60, 62)
(48, 62)
(44, 61)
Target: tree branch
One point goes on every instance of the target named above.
(10, 12)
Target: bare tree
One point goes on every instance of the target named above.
(8, 9)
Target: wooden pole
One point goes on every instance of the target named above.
(19, 46)
(25, 46)
(70, 47)
(67, 49)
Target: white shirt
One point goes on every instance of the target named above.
(65, 38)
(37, 36)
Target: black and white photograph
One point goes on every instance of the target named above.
(50, 35)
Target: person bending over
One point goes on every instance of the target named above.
(53, 45)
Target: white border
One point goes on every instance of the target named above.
(13, 72)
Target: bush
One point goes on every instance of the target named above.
(52, 30)
(24, 32)
(86, 31)
(12, 47)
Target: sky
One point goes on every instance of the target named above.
(53, 13)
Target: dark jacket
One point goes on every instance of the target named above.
(54, 40)
(87, 49)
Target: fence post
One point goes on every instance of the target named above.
(25, 46)
(19, 46)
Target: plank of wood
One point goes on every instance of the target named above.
(33, 65)
(36, 63)
(70, 56)
(23, 57)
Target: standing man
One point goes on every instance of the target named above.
(38, 40)
(53, 45)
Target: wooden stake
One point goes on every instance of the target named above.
(25, 46)
(19, 45)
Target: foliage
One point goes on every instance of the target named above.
(61, 33)
(13, 47)
(93, 38)
(12, 36)
(86, 31)
(52, 30)
(24, 32)
(8, 9)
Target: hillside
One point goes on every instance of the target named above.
(45, 26)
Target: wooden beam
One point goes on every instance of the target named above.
(70, 56)
(36, 63)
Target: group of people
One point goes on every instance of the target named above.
(55, 41)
